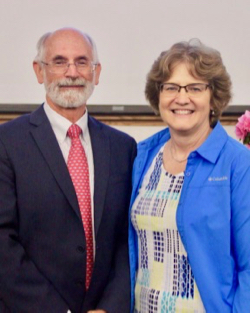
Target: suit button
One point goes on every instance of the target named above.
(80, 249)
(80, 283)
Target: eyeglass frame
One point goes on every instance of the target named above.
(67, 64)
(185, 87)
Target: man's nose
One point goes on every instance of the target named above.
(71, 70)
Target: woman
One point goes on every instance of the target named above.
(190, 209)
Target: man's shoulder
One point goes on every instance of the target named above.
(17, 123)
(24, 121)
(110, 131)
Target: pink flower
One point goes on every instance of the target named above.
(242, 128)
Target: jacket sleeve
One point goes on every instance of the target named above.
(241, 233)
(23, 288)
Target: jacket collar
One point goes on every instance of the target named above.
(46, 141)
(101, 153)
(48, 145)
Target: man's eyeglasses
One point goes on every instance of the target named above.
(193, 90)
(61, 67)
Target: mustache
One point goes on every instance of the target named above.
(71, 82)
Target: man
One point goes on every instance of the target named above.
(63, 249)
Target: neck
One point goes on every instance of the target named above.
(71, 114)
(180, 146)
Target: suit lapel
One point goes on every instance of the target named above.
(101, 154)
(48, 145)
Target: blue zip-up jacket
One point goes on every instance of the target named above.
(213, 218)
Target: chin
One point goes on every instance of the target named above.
(69, 99)
(180, 128)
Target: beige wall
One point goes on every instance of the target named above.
(129, 35)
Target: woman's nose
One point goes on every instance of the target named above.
(182, 97)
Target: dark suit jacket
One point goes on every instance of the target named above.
(42, 243)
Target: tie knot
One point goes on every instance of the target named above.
(74, 131)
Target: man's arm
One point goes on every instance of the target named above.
(116, 296)
(23, 287)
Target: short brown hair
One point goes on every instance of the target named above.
(203, 62)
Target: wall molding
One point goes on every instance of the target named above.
(134, 115)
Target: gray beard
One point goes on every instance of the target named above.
(69, 98)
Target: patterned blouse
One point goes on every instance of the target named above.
(165, 282)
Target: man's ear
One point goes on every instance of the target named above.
(98, 69)
(39, 72)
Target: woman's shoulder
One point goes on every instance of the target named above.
(239, 153)
(221, 145)
(154, 140)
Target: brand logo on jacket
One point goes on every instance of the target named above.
(217, 178)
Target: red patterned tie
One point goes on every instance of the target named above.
(79, 172)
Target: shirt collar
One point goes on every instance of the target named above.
(60, 124)
(212, 146)
(209, 150)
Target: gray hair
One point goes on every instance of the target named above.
(41, 47)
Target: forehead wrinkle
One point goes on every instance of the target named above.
(59, 57)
